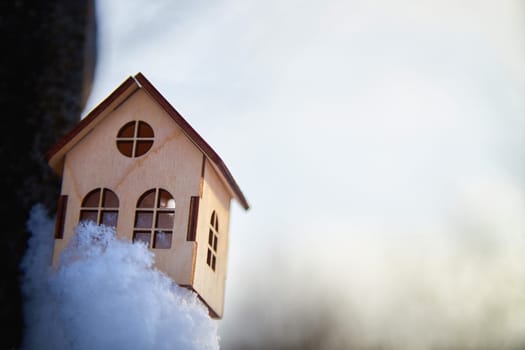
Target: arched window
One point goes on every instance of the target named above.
(154, 218)
(213, 237)
(135, 138)
(100, 206)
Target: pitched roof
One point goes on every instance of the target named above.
(55, 156)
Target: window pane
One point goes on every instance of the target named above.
(214, 221)
(208, 258)
(165, 200)
(109, 218)
(215, 243)
(213, 263)
(142, 147)
(147, 200)
(125, 147)
(162, 240)
(109, 199)
(165, 220)
(91, 200)
(127, 130)
(145, 130)
(89, 215)
(210, 238)
(142, 236)
(144, 219)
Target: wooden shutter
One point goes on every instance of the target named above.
(192, 219)
(61, 217)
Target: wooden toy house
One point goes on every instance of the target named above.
(135, 164)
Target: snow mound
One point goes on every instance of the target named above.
(105, 294)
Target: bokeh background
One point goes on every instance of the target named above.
(380, 145)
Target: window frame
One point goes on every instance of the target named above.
(213, 241)
(101, 208)
(142, 136)
(154, 219)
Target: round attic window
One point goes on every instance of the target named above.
(135, 138)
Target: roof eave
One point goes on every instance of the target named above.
(55, 155)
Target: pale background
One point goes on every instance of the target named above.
(381, 146)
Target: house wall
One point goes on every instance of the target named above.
(173, 163)
(209, 284)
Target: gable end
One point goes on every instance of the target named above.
(55, 156)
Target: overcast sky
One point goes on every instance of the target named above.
(356, 129)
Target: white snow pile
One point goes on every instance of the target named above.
(105, 294)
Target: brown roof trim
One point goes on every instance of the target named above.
(55, 158)
(89, 118)
(194, 136)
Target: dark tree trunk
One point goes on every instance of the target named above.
(47, 67)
